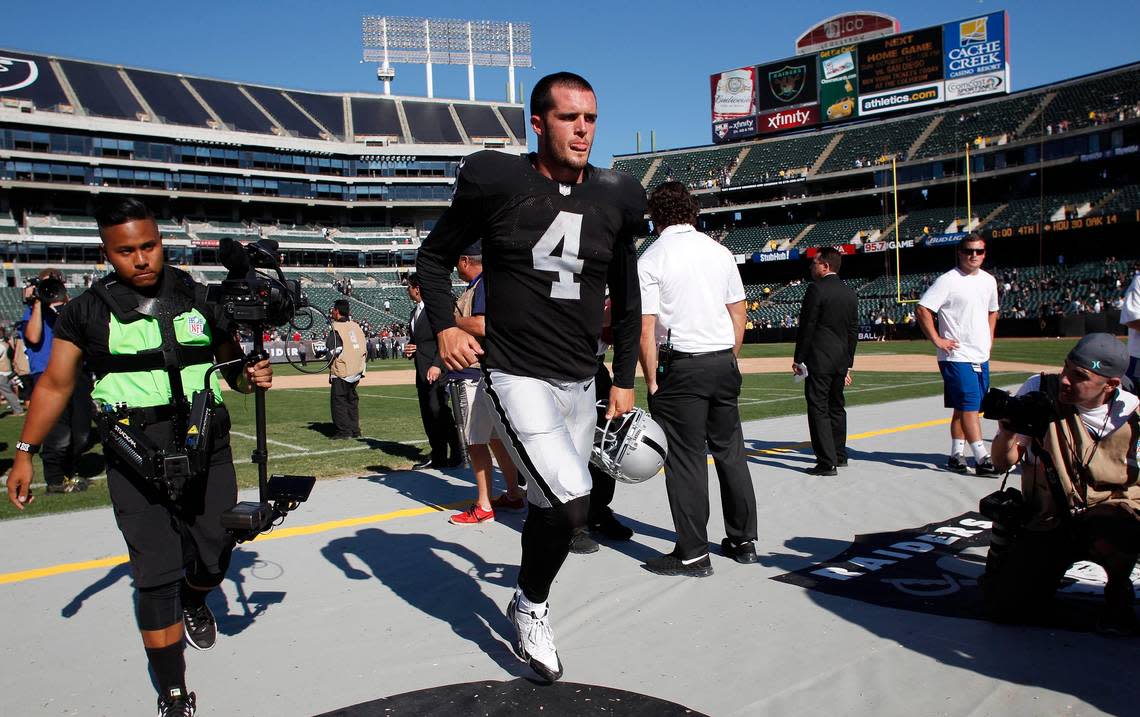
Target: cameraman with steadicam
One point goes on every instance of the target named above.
(150, 338)
(1076, 435)
(46, 299)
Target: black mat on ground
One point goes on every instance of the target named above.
(514, 698)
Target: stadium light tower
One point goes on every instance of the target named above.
(420, 40)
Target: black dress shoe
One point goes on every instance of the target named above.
(583, 544)
(744, 553)
(670, 564)
(841, 464)
(424, 464)
(610, 527)
(452, 462)
(821, 469)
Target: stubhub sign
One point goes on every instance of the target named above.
(766, 256)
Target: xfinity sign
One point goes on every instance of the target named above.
(789, 119)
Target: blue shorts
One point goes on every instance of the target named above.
(964, 384)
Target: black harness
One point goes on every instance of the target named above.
(178, 294)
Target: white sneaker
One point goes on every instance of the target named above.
(535, 642)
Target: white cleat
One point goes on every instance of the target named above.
(535, 642)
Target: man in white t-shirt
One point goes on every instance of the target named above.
(1130, 317)
(690, 285)
(965, 299)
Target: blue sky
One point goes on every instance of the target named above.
(648, 61)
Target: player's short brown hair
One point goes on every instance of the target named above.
(670, 203)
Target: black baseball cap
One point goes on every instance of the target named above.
(1102, 354)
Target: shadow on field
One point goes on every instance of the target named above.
(411, 566)
(249, 606)
(901, 459)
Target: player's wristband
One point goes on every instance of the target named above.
(27, 448)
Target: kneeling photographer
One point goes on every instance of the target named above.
(1076, 435)
(151, 339)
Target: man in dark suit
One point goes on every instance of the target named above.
(439, 425)
(825, 351)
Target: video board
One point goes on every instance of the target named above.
(954, 61)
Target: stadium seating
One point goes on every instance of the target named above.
(840, 231)
(1110, 94)
(869, 143)
(696, 169)
(101, 90)
(431, 123)
(922, 222)
(285, 112)
(636, 166)
(769, 161)
(966, 124)
(747, 240)
(479, 122)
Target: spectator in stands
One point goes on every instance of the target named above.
(965, 300)
(345, 344)
(477, 427)
(69, 437)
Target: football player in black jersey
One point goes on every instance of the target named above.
(556, 231)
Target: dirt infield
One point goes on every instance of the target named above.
(903, 363)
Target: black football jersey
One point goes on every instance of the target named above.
(549, 251)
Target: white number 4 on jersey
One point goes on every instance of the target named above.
(567, 230)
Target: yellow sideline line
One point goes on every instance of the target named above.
(112, 561)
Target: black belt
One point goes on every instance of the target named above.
(683, 354)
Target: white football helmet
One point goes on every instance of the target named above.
(630, 448)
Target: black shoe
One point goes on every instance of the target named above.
(176, 705)
(744, 553)
(670, 564)
(199, 626)
(452, 462)
(341, 436)
(422, 465)
(956, 464)
(842, 463)
(583, 544)
(822, 469)
(611, 528)
(985, 467)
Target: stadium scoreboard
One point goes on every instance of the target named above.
(841, 82)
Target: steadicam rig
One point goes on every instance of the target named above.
(257, 300)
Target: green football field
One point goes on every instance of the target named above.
(299, 424)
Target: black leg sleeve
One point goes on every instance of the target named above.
(545, 544)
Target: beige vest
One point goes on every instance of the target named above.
(20, 359)
(5, 358)
(1090, 473)
(350, 362)
(463, 306)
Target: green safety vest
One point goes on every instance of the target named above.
(136, 374)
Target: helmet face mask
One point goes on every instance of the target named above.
(629, 448)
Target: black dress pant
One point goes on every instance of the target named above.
(344, 404)
(827, 417)
(602, 492)
(439, 425)
(696, 404)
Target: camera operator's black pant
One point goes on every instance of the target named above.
(695, 404)
(164, 538)
(69, 437)
(344, 404)
(1021, 579)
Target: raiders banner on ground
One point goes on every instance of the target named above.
(933, 569)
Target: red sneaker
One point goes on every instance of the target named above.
(508, 505)
(472, 516)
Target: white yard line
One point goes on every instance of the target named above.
(270, 440)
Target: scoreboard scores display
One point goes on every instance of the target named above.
(958, 60)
